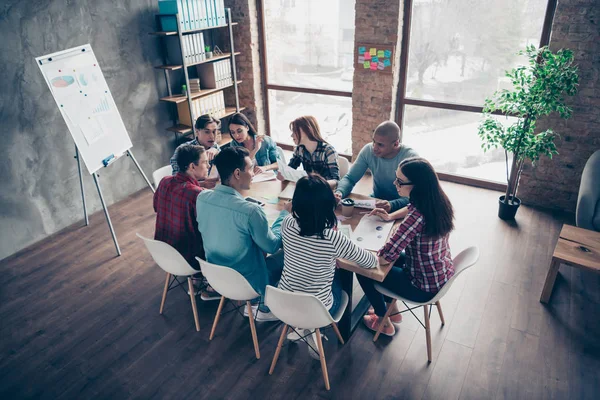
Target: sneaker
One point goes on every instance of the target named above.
(372, 322)
(196, 291)
(293, 336)
(311, 339)
(210, 294)
(395, 319)
(253, 310)
(260, 316)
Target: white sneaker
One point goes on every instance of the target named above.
(313, 349)
(293, 335)
(253, 310)
(260, 316)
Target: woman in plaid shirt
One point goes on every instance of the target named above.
(423, 234)
(312, 151)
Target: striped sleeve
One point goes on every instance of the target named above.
(347, 250)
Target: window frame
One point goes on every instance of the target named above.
(283, 88)
(403, 100)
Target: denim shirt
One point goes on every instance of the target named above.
(266, 155)
(236, 233)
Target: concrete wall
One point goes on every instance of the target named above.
(39, 191)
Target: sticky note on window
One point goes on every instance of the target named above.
(387, 54)
(361, 59)
(373, 66)
(374, 59)
(367, 55)
(386, 62)
(380, 53)
(362, 49)
(373, 51)
(367, 64)
(380, 66)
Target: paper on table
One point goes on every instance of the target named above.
(289, 173)
(288, 192)
(265, 176)
(346, 230)
(369, 204)
(371, 232)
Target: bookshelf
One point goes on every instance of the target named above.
(187, 107)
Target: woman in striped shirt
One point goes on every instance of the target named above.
(312, 244)
(423, 234)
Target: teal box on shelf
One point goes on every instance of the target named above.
(169, 22)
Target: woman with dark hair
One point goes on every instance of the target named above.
(311, 245)
(263, 150)
(312, 151)
(423, 234)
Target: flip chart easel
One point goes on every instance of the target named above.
(89, 110)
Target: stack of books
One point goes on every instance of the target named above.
(194, 85)
(193, 14)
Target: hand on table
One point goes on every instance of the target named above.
(259, 170)
(338, 196)
(381, 213)
(383, 204)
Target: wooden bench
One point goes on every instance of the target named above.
(579, 248)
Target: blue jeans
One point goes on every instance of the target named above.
(397, 281)
(336, 290)
(274, 268)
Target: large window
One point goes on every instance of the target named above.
(309, 51)
(458, 51)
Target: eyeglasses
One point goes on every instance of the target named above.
(398, 182)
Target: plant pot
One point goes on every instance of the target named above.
(507, 211)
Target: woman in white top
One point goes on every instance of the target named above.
(312, 244)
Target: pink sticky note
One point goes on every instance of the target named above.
(373, 66)
(367, 55)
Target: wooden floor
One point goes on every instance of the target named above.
(80, 323)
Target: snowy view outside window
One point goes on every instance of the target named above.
(459, 50)
(310, 45)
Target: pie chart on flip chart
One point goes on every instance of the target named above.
(63, 81)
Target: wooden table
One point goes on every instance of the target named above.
(579, 248)
(353, 313)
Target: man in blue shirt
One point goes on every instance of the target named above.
(235, 232)
(382, 157)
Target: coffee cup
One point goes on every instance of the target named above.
(347, 207)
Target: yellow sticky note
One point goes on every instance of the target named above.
(367, 64)
(373, 51)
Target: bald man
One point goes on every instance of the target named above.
(382, 157)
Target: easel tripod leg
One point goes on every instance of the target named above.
(140, 169)
(112, 231)
(85, 214)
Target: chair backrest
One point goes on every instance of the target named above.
(280, 155)
(463, 261)
(344, 166)
(227, 281)
(167, 257)
(161, 173)
(587, 215)
(297, 309)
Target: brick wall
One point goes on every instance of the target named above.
(246, 41)
(555, 183)
(374, 94)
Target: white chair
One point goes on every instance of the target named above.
(173, 263)
(161, 173)
(306, 311)
(464, 260)
(344, 166)
(233, 286)
(281, 155)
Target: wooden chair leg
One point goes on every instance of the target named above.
(278, 350)
(214, 327)
(253, 330)
(165, 290)
(427, 331)
(439, 308)
(322, 357)
(337, 332)
(384, 319)
(193, 300)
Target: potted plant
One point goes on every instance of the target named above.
(539, 88)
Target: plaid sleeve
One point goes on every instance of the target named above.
(331, 164)
(296, 159)
(408, 229)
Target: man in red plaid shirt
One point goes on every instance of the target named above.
(175, 204)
